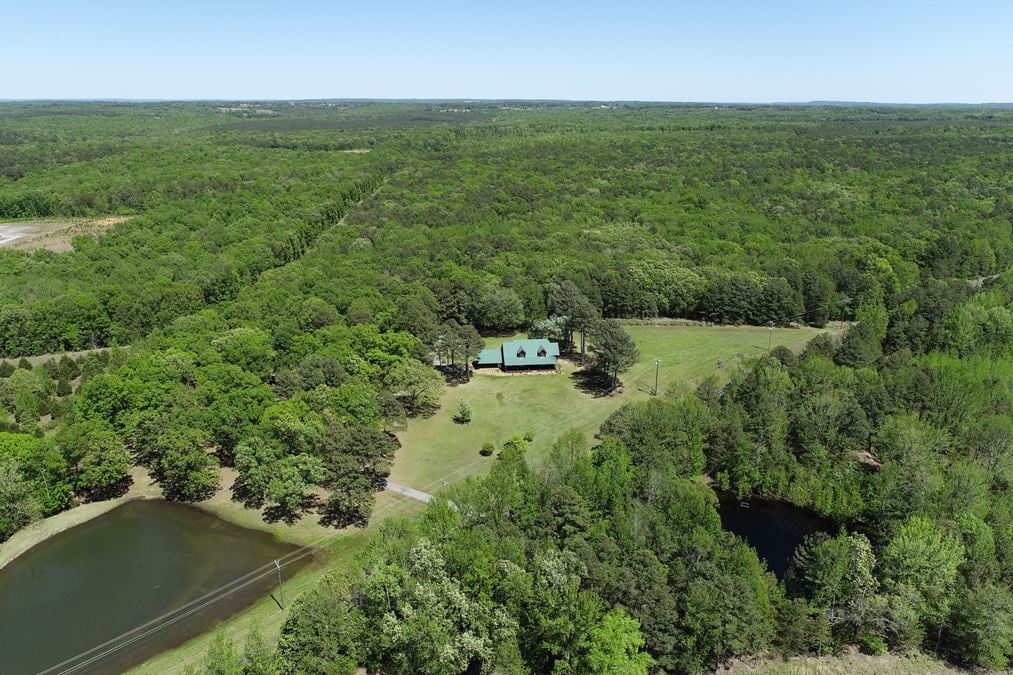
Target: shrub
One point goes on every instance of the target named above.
(25, 364)
(6, 369)
(487, 450)
(69, 368)
(529, 436)
(463, 413)
(871, 643)
(51, 369)
(63, 387)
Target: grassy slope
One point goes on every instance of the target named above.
(435, 449)
(549, 404)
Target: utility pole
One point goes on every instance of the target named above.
(657, 370)
(281, 589)
(770, 334)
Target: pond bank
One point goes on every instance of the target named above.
(221, 504)
(143, 564)
(23, 540)
(338, 551)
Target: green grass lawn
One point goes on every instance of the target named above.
(435, 449)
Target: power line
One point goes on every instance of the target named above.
(166, 624)
(153, 626)
(770, 324)
(165, 620)
(260, 572)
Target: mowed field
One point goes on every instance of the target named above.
(436, 451)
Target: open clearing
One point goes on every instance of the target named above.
(549, 404)
(435, 451)
(54, 235)
(851, 662)
(39, 359)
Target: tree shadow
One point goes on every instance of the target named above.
(454, 375)
(592, 381)
(425, 412)
(243, 495)
(330, 517)
(275, 514)
(113, 491)
(339, 515)
(574, 356)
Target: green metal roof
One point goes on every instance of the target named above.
(490, 357)
(530, 353)
(520, 353)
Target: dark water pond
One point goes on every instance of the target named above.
(96, 581)
(774, 529)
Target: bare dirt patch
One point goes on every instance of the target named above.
(54, 235)
(357, 151)
(850, 662)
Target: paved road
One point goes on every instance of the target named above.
(410, 492)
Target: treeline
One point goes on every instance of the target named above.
(580, 567)
(37, 478)
(912, 452)
(612, 558)
(277, 383)
(161, 266)
(713, 226)
(814, 429)
(764, 216)
(200, 395)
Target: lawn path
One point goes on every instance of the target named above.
(410, 492)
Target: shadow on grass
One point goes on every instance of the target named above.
(592, 381)
(455, 375)
(243, 495)
(113, 491)
(339, 518)
(274, 514)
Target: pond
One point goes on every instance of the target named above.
(96, 581)
(774, 529)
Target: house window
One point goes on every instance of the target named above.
(541, 352)
(521, 353)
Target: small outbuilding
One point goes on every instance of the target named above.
(514, 355)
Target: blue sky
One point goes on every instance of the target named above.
(763, 50)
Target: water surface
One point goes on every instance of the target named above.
(100, 579)
(774, 529)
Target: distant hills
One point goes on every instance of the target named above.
(540, 101)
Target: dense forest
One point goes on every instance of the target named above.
(287, 273)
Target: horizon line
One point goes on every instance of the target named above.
(813, 102)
